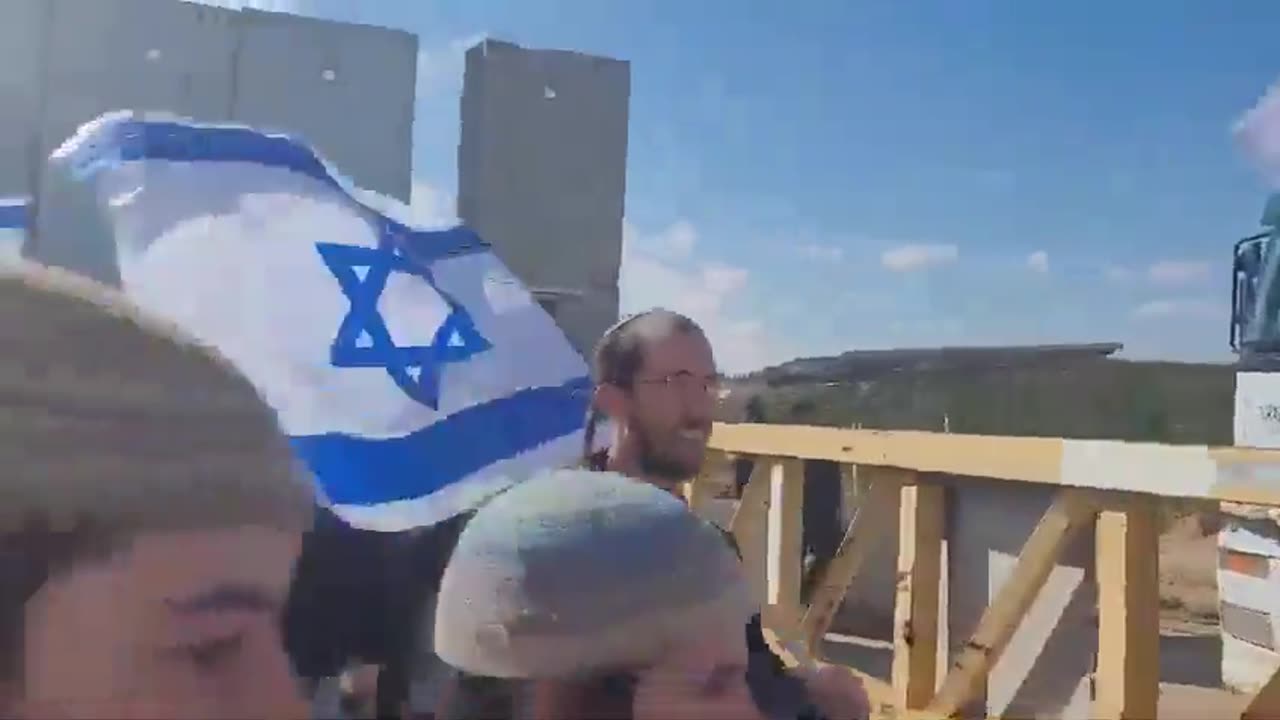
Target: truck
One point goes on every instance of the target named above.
(1249, 540)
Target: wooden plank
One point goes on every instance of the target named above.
(849, 487)
(1128, 673)
(1024, 458)
(1266, 704)
(877, 498)
(749, 516)
(717, 473)
(708, 484)
(749, 526)
(915, 627)
(1071, 510)
(689, 491)
(783, 560)
(1244, 475)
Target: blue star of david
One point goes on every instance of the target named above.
(415, 369)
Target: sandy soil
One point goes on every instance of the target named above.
(1188, 579)
(1191, 651)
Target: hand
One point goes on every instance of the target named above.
(360, 690)
(837, 693)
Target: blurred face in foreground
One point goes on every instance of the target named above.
(704, 678)
(150, 516)
(175, 625)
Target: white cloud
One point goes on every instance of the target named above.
(822, 253)
(441, 67)
(1257, 132)
(1038, 261)
(908, 258)
(675, 242)
(1178, 308)
(708, 292)
(724, 280)
(431, 206)
(1164, 273)
(289, 6)
(1178, 272)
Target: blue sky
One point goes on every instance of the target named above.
(807, 178)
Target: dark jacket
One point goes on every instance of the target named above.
(777, 693)
(358, 595)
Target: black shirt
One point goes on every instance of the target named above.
(359, 595)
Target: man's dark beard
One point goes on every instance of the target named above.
(654, 464)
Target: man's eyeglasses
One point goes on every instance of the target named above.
(685, 382)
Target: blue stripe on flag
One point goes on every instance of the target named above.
(137, 140)
(175, 142)
(13, 216)
(368, 471)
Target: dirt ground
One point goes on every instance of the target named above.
(1188, 575)
(1190, 648)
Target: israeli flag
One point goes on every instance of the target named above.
(15, 218)
(414, 375)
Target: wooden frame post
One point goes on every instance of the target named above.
(1265, 705)
(751, 514)
(749, 526)
(921, 519)
(1128, 673)
(783, 558)
(708, 483)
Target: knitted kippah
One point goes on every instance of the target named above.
(575, 571)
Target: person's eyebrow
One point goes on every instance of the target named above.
(226, 598)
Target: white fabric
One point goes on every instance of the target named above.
(229, 246)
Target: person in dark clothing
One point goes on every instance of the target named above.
(656, 381)
(414, 573)
(743, 466)
(821, 533)
(356, 597)
(337, 598)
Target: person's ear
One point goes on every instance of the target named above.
(612, 401)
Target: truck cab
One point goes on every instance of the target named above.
(1249, 542)
(1255, 333)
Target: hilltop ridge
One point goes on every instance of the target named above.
(1076, 391)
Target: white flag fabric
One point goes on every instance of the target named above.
(1258, 134)
(15, 216)
(413, 374)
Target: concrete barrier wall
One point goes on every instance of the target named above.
(64, 62)
(542, 166)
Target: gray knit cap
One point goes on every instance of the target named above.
(575, 572)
